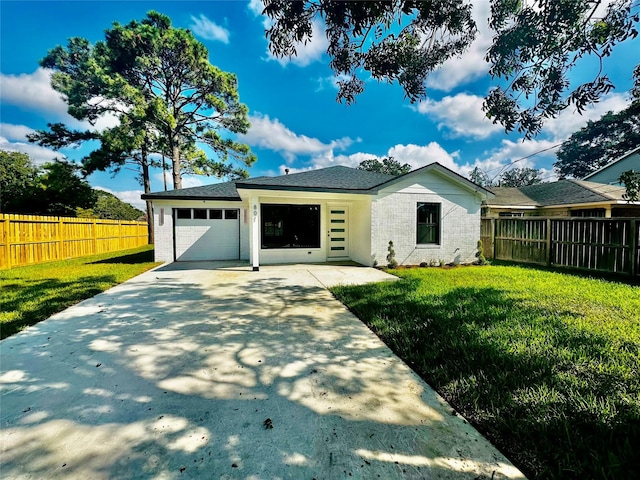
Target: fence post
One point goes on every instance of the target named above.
(61, 255)
(95, 235)
(7, 245)
(633, 245)
(548, 243)
(493, 238)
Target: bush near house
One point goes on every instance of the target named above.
(31, 294)
(545, 364)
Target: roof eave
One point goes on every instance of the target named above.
(189, 197)
(359, 191)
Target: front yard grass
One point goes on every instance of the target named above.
(545, 364)
(31, 294)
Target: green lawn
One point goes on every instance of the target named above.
(31, 294)
(546, 365)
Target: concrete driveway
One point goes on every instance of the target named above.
(196, 371)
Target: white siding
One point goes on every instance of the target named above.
(394, 217)
(360, 234)
(611, 174)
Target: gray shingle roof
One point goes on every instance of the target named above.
(562, 192)
(338, 178)
(217, 191)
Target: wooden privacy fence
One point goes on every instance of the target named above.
(601, 244)
(30, 239)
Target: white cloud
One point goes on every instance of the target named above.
(15, 132)
(189, 181)
(420, 155)
(461, 115)
(274, 135)
(205, 28)
(331, 82)
(39, 155)
(510, 153)
(570, 121)
(32, 91)
(128, 196)
(256, 6)
(471, 65)
(415, 155)
(306, 53)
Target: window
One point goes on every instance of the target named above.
(231, 214)
(200, 213)
(428, 224)
(290, 226)
(184, 213)
(215, 214)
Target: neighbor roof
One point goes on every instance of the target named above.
(562, 192)
(613, 162)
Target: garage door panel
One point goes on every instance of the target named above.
(206, 239)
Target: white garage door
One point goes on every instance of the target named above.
(207, 234)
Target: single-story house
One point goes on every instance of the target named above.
(611, 172)
(331, 214)
(564, 198)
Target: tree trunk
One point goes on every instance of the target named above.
(146, 182)
(177, 176)
(164, 172)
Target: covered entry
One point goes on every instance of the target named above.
(206, 234)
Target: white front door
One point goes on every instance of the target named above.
(338, 232)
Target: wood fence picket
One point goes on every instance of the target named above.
(31, 239)
(599, 244)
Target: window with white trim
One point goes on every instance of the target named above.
(428, 224)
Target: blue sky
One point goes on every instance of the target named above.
(296, 122)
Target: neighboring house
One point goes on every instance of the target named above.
(564, 198)
(611, 172)
(332, 214)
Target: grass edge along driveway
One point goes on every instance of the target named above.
(33, 293)
(545, 364)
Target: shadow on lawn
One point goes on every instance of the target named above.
(574, 272)
(130, 259)
(547, 394)
(36, 300)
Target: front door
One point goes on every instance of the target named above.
(338, 232)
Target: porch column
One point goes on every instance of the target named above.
(255, 234)
(607, 211)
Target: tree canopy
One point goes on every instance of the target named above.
(18, 175)
(631, 180)
(108, 206)
(599, 142)
(514, 177)
(56, 188)
(388, 166)
(536, 46)
(158, 81)
(520, 177)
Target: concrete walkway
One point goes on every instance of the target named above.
(196, 371)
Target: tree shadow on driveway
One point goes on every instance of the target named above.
(176, 372)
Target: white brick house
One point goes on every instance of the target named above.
(332, 214)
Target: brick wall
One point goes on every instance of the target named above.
(394, 217)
